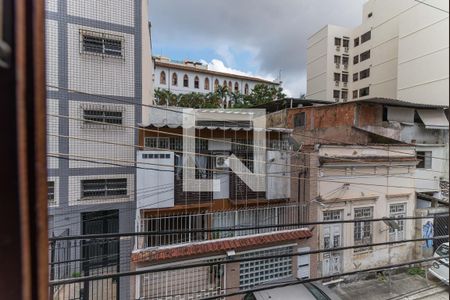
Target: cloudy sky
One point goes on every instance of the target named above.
(257, 37)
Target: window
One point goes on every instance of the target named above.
(344, 94)
(336, 94)
(103, 187)
(103, 116)
(345, 60)
(366, 36)
(196, 82)
(337, 59)
(236, 87)
(257, 272)
(157, 142)
(185, 81)
(364, 55)
(397, 211)
(345, 43)
(344, 77)
(101, 43)
(246, 89)
(216, 84)
(363, 229)
(356, 42)
(174, 79)
(364, 74)
(230, 86)
(364, 92)
(355, 94)
(162, 77)
(424, 158)
(51, 192)
(337, 77)
(355, 77)
(300, 120)
(355, 59)
(207, 83)
(337, 42)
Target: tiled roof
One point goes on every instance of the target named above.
(218, 246)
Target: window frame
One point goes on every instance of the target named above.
(356, 42)
(336, 92)
(102, 40)
(51, 198)
(196, 82)
(107, 191)
(174, 79)
(362, 227)
(300, 120)
(364, 56)
(425, 160)
(337, 42)
(362, 90)
(206, 84)
(102, 118)
(355, 77)
(162, 78)
(355, 59)
(398, 234)
(185, 81)
(366, 36)
(364, 74)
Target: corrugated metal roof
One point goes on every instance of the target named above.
(397, 102)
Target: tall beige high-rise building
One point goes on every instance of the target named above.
(401, 50)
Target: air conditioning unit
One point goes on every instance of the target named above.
(345, 66)
(338, 65)
(338, 48)
(336, 83)
(345, 84)
(222, 162)
(346, 49)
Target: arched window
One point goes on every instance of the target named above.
(216, 84)
(174, 79)
(206, 83)
(246, 89)
(224, 83)
(236, 87)
(162, 78)
(185, 81)
(230, 86)
(196, 82)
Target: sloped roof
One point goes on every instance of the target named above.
(218, 246)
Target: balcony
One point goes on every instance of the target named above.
(240, 222)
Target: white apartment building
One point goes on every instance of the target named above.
(188, 76)
(399, 51)
(97, 61)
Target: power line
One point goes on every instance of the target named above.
(221, 229)
(178, 111)
(432, 6)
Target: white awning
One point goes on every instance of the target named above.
(400, 114)
(433, 118)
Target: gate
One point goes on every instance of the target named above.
(440, 228)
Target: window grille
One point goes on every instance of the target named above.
(300, 120)
(101, 44)
(51, 192)
(103, 187)
(102, 116)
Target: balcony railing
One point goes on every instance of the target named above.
(241, 221)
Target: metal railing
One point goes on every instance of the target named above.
(235, 219)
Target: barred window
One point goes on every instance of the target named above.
(51, 192)
(363, 229)
(103, 187)
(397, 210)
(364, 73)
(157, 142)
(101, 44)
(364, 92)
(103, 116)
